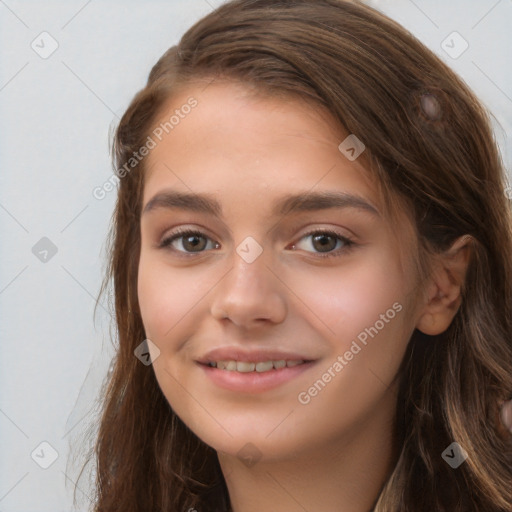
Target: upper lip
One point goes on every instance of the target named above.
(237, 354)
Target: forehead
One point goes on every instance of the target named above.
(234, 139)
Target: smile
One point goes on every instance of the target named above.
(254, 377)
(260, 366)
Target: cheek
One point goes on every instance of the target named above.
(343, 302)
(168, 296)
(364, 319)
(359, 309)
(160, 304)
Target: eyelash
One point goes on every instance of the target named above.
(180, 232)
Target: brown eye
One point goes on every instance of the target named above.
(328, 243)
(186, 241)
(324, 242)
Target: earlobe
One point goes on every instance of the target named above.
(427, 324)
(444, 288)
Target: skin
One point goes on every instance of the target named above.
(335, 452)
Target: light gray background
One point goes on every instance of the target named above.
(55, 116)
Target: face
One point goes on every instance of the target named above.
(265, 250)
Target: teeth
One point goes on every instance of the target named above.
(293, 363)
(264, 367)
(242, 366)
(246, 367)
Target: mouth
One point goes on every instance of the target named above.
(255, 366)
(252, 377)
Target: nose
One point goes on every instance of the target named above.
(250, 295)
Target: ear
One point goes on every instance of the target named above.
(443, 297)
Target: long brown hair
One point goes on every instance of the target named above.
(430, 145)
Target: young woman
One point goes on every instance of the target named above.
(312, 245)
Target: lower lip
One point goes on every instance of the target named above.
(254, 382)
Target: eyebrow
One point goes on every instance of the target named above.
(292, 203)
